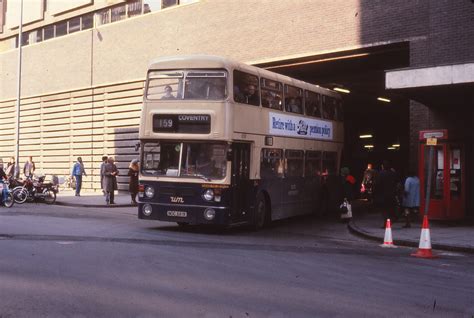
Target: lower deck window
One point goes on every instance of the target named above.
(312, 167)
(271, 163)
(294, 163)
(329, 162)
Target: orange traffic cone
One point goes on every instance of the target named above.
(424, 249)
(388, 241)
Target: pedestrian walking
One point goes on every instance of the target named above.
(102, 171)
(110, 180)
(385, 191)
(367, 184)
(411, 197)
(133, 183)
(77, 172)
(29, 168)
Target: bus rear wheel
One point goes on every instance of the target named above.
(260, 217)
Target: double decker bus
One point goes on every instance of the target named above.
(226, 143)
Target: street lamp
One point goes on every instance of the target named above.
(18, 91)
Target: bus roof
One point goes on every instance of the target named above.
(212, 61)
(190, 61)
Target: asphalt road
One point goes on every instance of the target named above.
(76, 262)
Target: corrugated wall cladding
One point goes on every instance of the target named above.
(56, 129)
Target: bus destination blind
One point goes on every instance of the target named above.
(188, 124)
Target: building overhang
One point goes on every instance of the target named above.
(434, 86)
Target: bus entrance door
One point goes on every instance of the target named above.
(241, 186)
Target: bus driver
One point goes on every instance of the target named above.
(205, 165)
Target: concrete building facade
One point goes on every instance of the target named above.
(81, 91)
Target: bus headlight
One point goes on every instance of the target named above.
(149, 192)
(208, 195)
(209, 214)
(147, 209)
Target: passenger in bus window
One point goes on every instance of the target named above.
(168, 93)
(250, 95)
(238, 96)
(271, 100)
(293, 106)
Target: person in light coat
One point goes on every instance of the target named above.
(411, 197)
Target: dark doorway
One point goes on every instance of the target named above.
(362, 72)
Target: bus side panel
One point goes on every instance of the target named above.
(272, 187)
(293, 198)
(312, 195)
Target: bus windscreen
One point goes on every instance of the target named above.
(203, 160)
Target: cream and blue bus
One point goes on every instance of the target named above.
(225, 143)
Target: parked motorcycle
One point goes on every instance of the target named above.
(35, 190)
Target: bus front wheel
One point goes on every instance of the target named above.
(260, 216)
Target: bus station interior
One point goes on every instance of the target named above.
(361, 76)
(388, 129)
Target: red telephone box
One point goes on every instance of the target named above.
(447, 199)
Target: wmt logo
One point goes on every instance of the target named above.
(302, 128)
(177, 199)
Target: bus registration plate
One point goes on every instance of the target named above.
(180, 214)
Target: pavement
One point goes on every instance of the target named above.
(89, 199)
(456, 237)
(445, 235)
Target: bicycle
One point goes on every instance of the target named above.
(67, 182)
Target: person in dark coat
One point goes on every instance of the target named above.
(102, 170)
(110, 180)
(368, 182)
(332, 195)
(133, 183)
(385, 191)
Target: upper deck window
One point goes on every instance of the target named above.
(272, 94)
(192, 85)
(339, 110)
(329, 107)
(312, 104)
(165, 85)
(205, 85)
(293, 99)
(246, 89)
